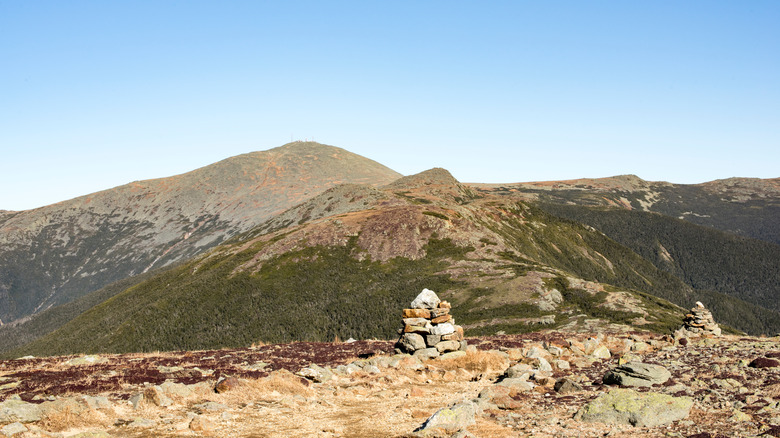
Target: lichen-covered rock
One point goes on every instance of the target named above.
(637, 374)
(452, 419)
(628, 407)
(316, 373)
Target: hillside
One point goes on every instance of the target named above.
(307, 275)
(54, 254)
(748, 207)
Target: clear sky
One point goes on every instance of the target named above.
(95, 94)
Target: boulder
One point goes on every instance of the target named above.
(316, 373)
(13, 429)
(13, 411)
(412, 342)
(446, 346)
(628, 407)
(426, 353)
(427, 299)
(637, 374)
(451, 419)
(566, 386)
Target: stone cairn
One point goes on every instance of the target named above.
(697, 323)
(429, 329)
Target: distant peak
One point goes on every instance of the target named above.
(436, 176)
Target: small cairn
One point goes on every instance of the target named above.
(429, 330)
(697, 323)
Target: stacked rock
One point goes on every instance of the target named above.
(698, 322)
(429, 329)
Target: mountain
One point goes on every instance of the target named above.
(55, 254)
(748, 207)
(341, 264)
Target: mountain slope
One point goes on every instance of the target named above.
(747, 207)
(54, 254)
(312, 275)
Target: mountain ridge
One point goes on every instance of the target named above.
(84, 243)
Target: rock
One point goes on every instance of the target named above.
(136, 400)
(157, 397)
(566, 386)
(764, 362)
(561, 364)
(412, 342)
(739, 416)
(500, 397)
(452, 355)
(142, 423)
(426, 353)
(210, 407)
(452, 419)
(601, 352)
(92, 434)
(637, 374)
(432, 340)
(86, 360)
(427, 299)
(96, 403)
(628, 407)
(447, 346)
(520, 370)
(516, 385)
(201, 424)
(13, 411)
(13, 429)
(316, 373)
(416, 313)
(176, 389)
(443, 329)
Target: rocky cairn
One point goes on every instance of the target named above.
(697, 323)
(429, 330)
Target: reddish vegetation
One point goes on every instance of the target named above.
(51, 376)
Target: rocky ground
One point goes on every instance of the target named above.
(548, 384)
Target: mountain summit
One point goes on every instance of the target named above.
(53, 254)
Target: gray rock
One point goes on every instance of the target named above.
(452, 355)
(452, 419)
(628, 407)
(566, 386)
(432, 340)
(637, 374)
(210, 407)
(13, 411)
(518, 384)
(519, 371)
(427, 299)
(176, 389)
(412, 342)
(443, 329)
(315, 373)
(426, 353)
(447, 346)
(13, 429)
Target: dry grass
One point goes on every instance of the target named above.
(71, 417)
(278, 384)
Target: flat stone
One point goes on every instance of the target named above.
(416, 313)
(13, 411)
(426, 353)
(452, 355)
(637, 374)
(443, 329)
(628, 407)
(13, 429)
(446, 346)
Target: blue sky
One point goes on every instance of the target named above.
(95, 94)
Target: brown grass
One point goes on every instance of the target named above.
(66, 418)
(278, 384)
